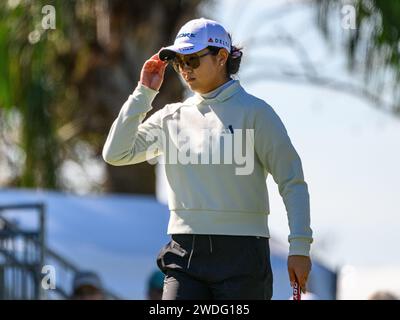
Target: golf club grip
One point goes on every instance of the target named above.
(296, 291)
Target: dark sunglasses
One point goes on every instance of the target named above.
(192, 61)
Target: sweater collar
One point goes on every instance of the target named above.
(222, 96)
(215, 92)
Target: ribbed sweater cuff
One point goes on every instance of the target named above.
(299, 247)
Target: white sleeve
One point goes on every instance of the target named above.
(280, 159)
(130, 141)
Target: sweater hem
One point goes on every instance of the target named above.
(218, 222)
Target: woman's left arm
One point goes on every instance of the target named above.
(280, 159)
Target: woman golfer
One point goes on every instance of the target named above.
(219, 145)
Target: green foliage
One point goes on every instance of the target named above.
(26, 72)
(375, 42)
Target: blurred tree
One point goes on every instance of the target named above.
(373, 45)
(69, 83)
(25, 85)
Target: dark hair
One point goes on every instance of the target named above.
(234, 58)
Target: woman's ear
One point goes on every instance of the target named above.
(222, 56)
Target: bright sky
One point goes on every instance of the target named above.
(350, 150)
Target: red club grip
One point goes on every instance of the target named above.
(296, 291)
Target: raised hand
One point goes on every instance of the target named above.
(152, 74)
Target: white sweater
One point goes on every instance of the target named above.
(218, 197)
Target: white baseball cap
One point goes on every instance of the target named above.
(195, 36)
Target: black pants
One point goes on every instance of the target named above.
(216, 267)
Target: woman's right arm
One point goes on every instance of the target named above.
(130, 141)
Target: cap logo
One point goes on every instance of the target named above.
(224, 43)
(186, 34)
(210, 40)
(185, 49)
